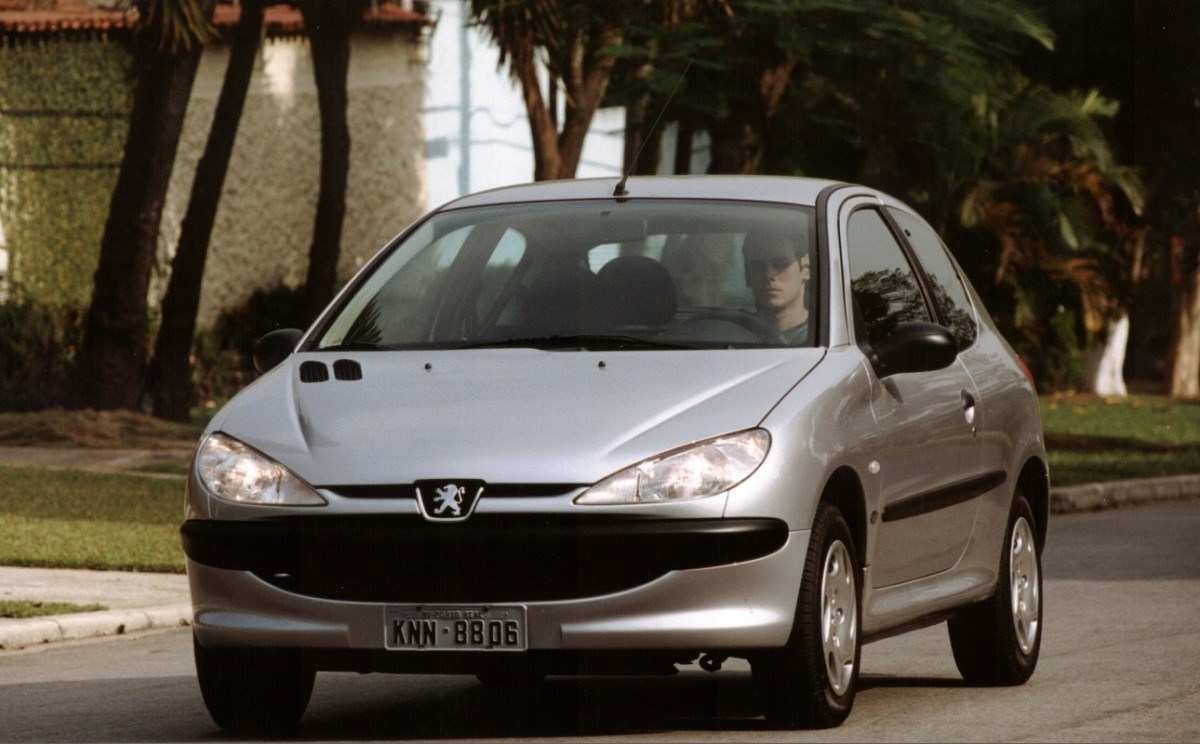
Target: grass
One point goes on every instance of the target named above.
(23, 608)
(71, 519)
(1093, 439)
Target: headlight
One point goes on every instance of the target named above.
(234, 472)
(704, 469)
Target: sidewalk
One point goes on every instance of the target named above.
(93, 459)
(135, 601)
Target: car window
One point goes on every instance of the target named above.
(648, 273)
(708, 269)
(498, 271)
(883, 286)
(399, 306)
(948, 292)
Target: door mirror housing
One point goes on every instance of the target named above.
(274, 347)
(913, 347)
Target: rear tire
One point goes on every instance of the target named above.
(253, 690)
(811, 682)
(997, 642)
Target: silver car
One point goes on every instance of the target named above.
(554, 430)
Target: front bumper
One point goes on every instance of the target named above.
(594, 585)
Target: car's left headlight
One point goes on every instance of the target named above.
(237, 472)
(703, 469)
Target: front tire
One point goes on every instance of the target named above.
(811, 682)
(997, 642)
(253, 690)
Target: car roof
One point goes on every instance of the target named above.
(748, 188)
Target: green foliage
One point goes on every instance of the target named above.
(63, 111)
(263, 311)
(37, 347)
(1064, 213)
(899, 96)
(217, 373)
(1058, 363)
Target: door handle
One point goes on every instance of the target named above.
(968, 402)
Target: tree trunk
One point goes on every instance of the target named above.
(170, 376)
(683, 148)
(543, 126)
(110, 367)
(1183, 368)
(328, 23)
(635, 120)
(1106, 364)
(736, 147)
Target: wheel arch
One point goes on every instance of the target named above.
(844, 491)
(1034, 483)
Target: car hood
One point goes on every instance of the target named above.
(504, 415)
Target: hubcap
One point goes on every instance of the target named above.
(1023, 585)
(839, 617)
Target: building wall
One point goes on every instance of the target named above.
(264, 222)
(64, 107)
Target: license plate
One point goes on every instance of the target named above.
(454, 628)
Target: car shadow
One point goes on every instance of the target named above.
(373, 707)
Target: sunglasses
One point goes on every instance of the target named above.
(775, 263)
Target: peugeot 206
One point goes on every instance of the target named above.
(587, 427)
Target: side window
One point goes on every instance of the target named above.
(884, 289)
(948, 292)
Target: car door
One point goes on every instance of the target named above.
(925, 447)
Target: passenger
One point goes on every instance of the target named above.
(777, 270)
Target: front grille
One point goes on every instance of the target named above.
(489, 558)
(490, 490)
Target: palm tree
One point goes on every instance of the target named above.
(575, 41)
(111, 363)
(1059, 205)
(328, 24)
(170, 377)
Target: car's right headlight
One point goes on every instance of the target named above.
(703, 469)
(237, 472)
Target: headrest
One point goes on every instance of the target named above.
(636, 290)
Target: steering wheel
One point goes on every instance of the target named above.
(756, 325)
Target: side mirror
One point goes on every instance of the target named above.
(274, 347)
(914, 347)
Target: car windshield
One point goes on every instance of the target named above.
(640, 274)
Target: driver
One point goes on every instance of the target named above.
(777, 270)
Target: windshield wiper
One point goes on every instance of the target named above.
(585, 341)
(357, 346)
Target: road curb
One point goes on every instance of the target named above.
(1115, 494)
(15, 634)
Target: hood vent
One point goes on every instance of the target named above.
(347, 369)
(313, 372)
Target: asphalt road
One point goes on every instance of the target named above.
(1120, 662)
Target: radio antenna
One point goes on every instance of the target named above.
(620, 190)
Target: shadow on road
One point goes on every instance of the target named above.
(347, 706)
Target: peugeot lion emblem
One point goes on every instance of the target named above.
(448, 501)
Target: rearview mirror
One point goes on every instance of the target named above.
(913, 347)
(274, 347)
